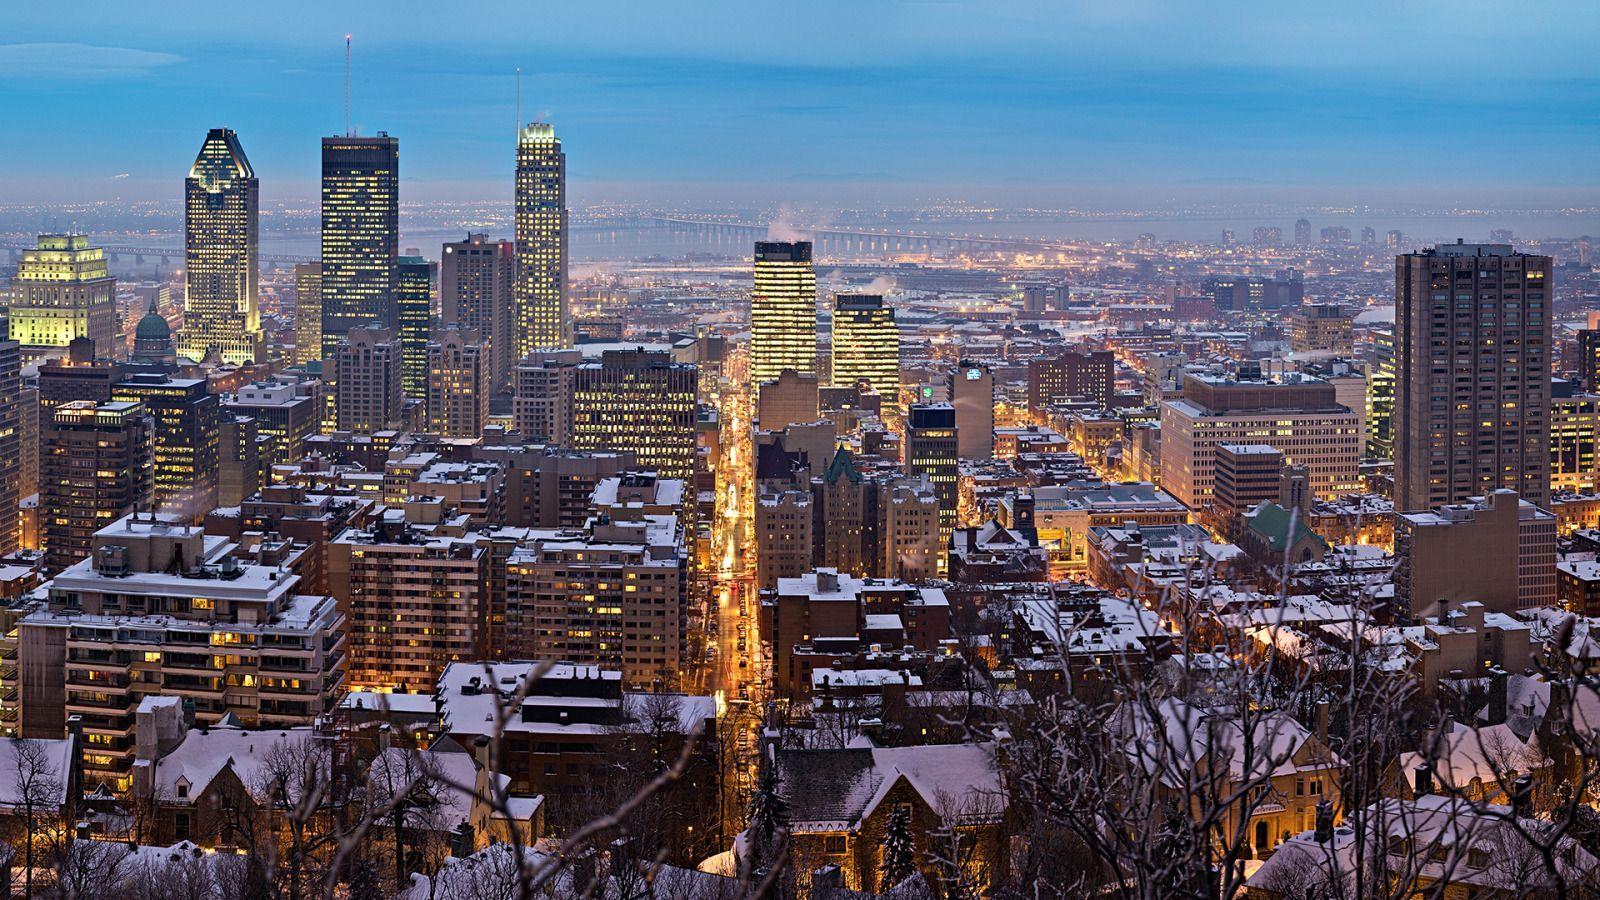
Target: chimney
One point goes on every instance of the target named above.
(1498, 679)
(1424, 780)
(621, 856)
(1522, 797)
(385, 737)
(1322, 722)
(582, 866)
(1324, 832)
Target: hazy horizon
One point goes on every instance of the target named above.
(1131, 104)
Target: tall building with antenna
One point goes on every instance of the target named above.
(360, 234)
(221, 244)
(541, 320)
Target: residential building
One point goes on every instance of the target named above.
(1472, 365)
(367, 371)
(162, 609)
(94, 469)
(612, 594)
(541, 406)
(477, 292)
(416, 602)
(457, 376)
(1321, 328)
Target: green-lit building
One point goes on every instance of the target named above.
(414, 311)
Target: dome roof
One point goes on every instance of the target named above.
(153, 327)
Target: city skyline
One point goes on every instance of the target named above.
(1094, 101)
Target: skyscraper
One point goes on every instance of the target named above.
(477, 279)
(866, 345)
(933, 452)
(1302, 233)
(456, 373)
(414, 323)
(783, 311)
(221, 243)
(307, 313)
(541, 223)
(63, 290)
(1472, 367)
(185, 446)
(360, 234)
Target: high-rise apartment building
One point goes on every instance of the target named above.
(866, 345)
(612, 595)
(1302, 233)
(360, 234)
(457, 374)
(221, 246)
(541, 321)
(541, 403)
(367, 378)
(477, 291)
(159, 609)
(783, 311)
(94, 468)
(638, 400)
(186, 418)
(971, 392)
(416, 603)
(307, 313)
(933, 452)
(63, 290)
(414, 322)
(1472, 365)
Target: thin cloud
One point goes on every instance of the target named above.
(67, 60)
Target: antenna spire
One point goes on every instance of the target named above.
(347, 132)
(519, 102)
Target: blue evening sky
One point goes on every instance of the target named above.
(1117, 101)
